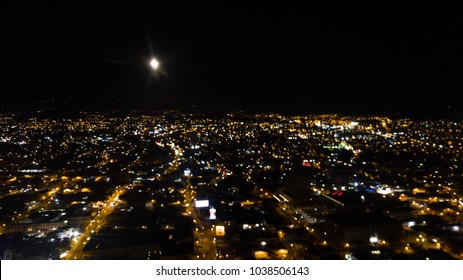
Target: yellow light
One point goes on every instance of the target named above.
(260, 255)
(220, 230)
(282, 253)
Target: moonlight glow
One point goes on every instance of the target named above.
(154, 63)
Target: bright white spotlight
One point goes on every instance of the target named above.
(154, 63)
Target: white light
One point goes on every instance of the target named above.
(154, 63)
(263, 243)
(201, 203)
(384, 191)
(212, 213)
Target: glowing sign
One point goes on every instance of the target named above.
(202, 203)
(220, 230)
(212, 213)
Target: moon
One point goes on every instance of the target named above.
(154, 63)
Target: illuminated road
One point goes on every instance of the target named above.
(205, 244)
(78, 243)
(54, 188)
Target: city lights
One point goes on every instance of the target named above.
(331, 183)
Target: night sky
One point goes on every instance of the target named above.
(323, 56)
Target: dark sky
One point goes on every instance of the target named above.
(323, 56)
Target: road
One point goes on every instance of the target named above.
(78, 243)
(53, 188)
